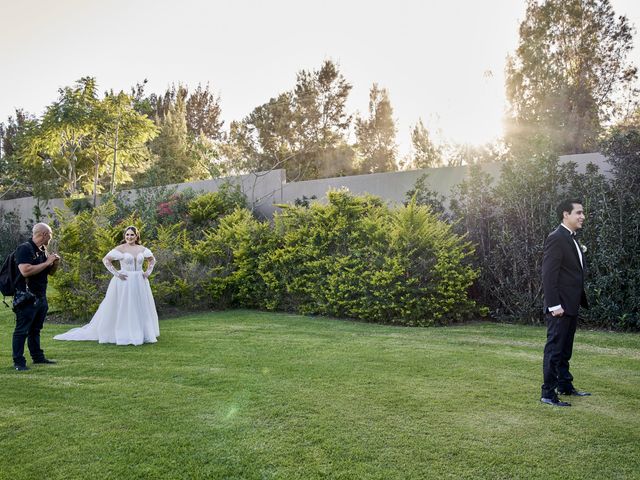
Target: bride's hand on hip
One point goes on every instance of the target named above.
(122, 276)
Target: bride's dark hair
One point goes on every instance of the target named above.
(134, 230)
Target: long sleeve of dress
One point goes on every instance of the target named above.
(112, 255)
(151, 261)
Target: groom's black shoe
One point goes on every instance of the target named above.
(45, 361)
(556, 402)
(21, 368)
(574, 392)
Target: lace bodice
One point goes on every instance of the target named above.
(129, 262)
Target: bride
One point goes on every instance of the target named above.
(127, 315)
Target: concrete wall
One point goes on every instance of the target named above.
(24, 208)
(259, 189)
(267, 189)
(393, 186)
(583, 159)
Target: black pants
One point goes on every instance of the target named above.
(29, 322)
(557, 353)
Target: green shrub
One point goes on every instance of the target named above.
(154, 206)
(612, 234)
(436, 265)
(354, 257)
(10, 233)
(423, 195)
(231, 254)
(82, 241)
(205, 210)
(77, 205)
(357, 258)
(508, 221)
(177, 279)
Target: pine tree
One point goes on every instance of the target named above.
(376, 135)
(203, 114)
(174, 161)
(426, 153)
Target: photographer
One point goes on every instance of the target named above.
(30, 302)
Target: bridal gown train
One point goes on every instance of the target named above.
(127, 315)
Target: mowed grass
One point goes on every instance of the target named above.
(251, 395)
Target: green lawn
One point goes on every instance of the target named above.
(253, 395)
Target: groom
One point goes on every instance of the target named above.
(563, 269)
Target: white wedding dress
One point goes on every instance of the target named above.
(127, 315)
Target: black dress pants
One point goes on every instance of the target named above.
(29, 322)
(557, 353)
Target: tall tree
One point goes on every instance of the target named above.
(56, 144)
(203, 114)
(142, 103)
(164, 103)
(566, 74)
(174, 160)
(71, 148)
(376, 135)
(320, 106)
(120, 138)
(190, 133)
(457, 154)
(266, 139)
(321, 123)
(10, 131)
(14, 180)
(302, 130)
(426, 153)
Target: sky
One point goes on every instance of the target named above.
(441, 61)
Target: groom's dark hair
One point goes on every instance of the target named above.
(566, 206)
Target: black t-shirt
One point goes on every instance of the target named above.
(28, 253)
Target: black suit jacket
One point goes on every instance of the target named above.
(562, 274)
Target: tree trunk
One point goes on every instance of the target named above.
(95, 181)
(115, 161)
